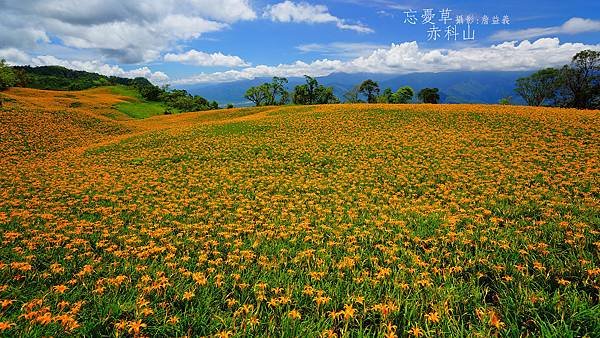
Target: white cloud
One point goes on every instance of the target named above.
(133, 42)
(197, 58)
(341, 49)
(128, 31)
(14, 56)
(391, 4)
(408, 57)
(288, 11)
(225, 10)
(572, 26)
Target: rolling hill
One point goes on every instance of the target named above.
(366, 219)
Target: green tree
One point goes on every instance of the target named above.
(540, 87)
(580, 81)
(150, 92)
(403, 95)
(181, 100)
(277, 94)
(325, 95)
(506, 101)
(352, 96)
(22, 79)
(305, 93)
(429, 95)
(269, 94)
(257, 95)
(140, 82)
(7, 76)
(313, 93)
(386, 96)
(370, 89)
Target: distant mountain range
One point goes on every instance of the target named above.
(455, 87)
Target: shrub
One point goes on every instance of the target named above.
(7, 76)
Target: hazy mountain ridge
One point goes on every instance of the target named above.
(455, 87)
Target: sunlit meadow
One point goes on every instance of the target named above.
(320, 221)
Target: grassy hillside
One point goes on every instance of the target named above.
(348, 220)
(61, 78)
(143, 99)
(35, 123)
(137, 107)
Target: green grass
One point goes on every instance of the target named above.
(141, 110)
(137, 108)
(239, 128)
(125, 91)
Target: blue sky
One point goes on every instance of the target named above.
(200, 41)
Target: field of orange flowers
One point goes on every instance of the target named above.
(324, 221)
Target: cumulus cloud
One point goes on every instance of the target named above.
(571, 27)
(14, 56)
(408, 57)
(128, 31)
(132, 42)
(341, 49)
(197, 58)
(289, 11)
